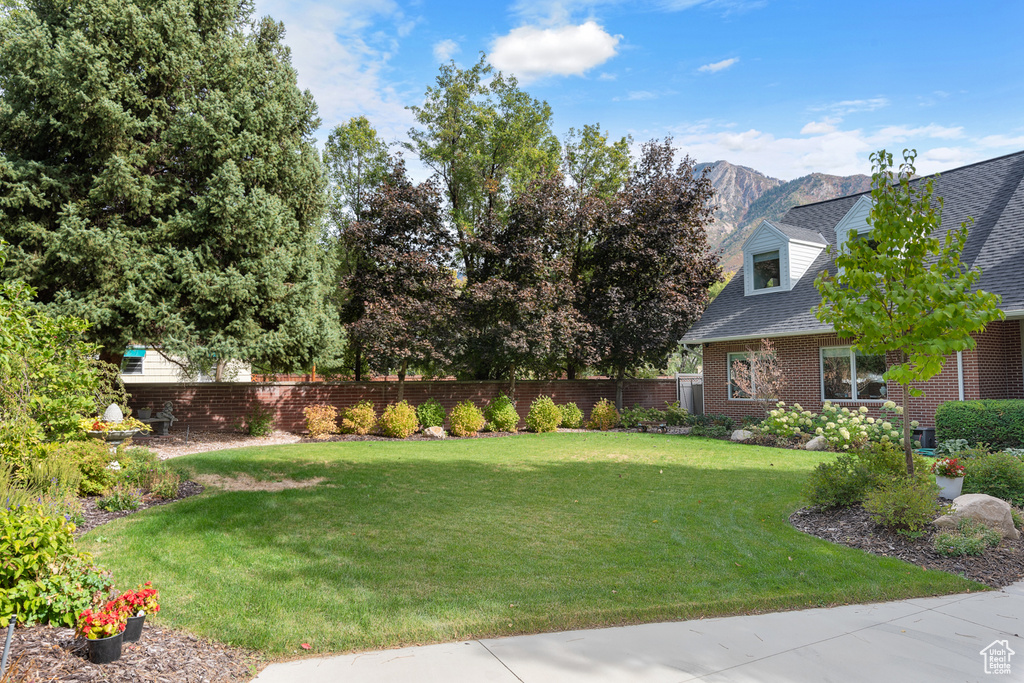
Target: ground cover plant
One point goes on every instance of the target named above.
(408, 542)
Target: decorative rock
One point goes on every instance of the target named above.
(818, 443)
(434, 433)
(741, 435)
(988, 510)
(113, 414)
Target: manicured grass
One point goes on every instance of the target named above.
(427, 541)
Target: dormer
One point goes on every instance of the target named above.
(856, 220)
(777, 255)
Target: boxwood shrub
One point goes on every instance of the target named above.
(999, 423)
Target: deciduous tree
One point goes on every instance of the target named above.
(905, 290)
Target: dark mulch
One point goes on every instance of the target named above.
(94, 517)
(998, 567)
(44, 653)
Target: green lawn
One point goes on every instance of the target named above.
(429, 541)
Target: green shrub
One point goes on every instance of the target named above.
(430, 413)
(951, 447)
(120, 499)
(501, 414)
(466, 419)
(1018, 518)
(90, 456)
(259, 421)
(885, 460)
(68, 586)
(321, 420)
(632, 417)
(399, 420)
(544, 415)
(998, 474)
(603, 416)
(165, 483)
(572, 416)
(674, 415)
(359, 419)
(999, 423)
(712, 431)
(711, 419)
(904, 504)
(840, 482)
(970, 538)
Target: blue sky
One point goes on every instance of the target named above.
(788, 88)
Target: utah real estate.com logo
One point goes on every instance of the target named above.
(997, 657)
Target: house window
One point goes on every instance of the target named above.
(849, 375)
(734, 391)
(131, 363)
(767, 272)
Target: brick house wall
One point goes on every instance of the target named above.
(222, 405)
(992, 370)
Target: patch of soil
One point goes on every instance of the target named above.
(94, 517)
(45, 654)
(246, 482)
(852, 527)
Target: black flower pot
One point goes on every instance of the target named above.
(133, 631)
(105, 650)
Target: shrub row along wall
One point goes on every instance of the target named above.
(223, 405)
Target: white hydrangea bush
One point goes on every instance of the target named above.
(843, 428)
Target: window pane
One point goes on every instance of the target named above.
(869, 376)
(766, 270)
(741, 360)
(835, 371)
(131, 366)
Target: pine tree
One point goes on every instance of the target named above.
(158, 177)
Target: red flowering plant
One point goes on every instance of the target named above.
(948, 467)
(143, 600)
(104, 623)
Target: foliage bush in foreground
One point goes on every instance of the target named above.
(604, 416)
(120, 499)
(674, 415)
(572, 416)
(904, 504)
(466, 419)
(712, 430)
(969, 538)
(632, 417)
(90, 456)
(259, 421)
(998, 474)
(544, 415)
(399, 420)
(321, 420)
(840, 482)
(501, 414)
(359, 419)
(842, 428)
(999, 423)
(430, 413)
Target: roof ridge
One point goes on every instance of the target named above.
(918, 179)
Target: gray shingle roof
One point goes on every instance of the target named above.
(798, 233)
(991, 192)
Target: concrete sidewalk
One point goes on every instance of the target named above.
(930, 640)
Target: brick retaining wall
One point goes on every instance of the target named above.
(221, 405)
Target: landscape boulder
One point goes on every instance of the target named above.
(979, 507)
(818, 443)
(434, 433)
(741, 435)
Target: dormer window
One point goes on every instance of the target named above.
(767, 270)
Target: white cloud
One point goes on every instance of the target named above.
(605, 76)
(445, 49)
(339, 51)
(641, 95)
(826, 125)
(903, 133)
(1002, 141)
(531, 52)
(718, 66)
(851, 106)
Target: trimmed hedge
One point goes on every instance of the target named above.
(999, 423)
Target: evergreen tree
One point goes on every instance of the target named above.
(158, 177)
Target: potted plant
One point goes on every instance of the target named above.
(949, 475)
(145, 413)
(137, 604)
(104, 630)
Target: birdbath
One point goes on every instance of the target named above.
(114, 437)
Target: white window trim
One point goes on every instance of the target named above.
(853, 377)
(782, 278)
(728, 385)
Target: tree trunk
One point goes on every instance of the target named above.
(401, 380)
(218, 373)
(908, 450)
(570, 371)
(620, 379)
(357, 371)
(512, 383)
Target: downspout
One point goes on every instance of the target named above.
(960, 373)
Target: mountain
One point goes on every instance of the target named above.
(745, 197)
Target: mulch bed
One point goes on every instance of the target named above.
(998, 567)
(45, 654)
(94, 517)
